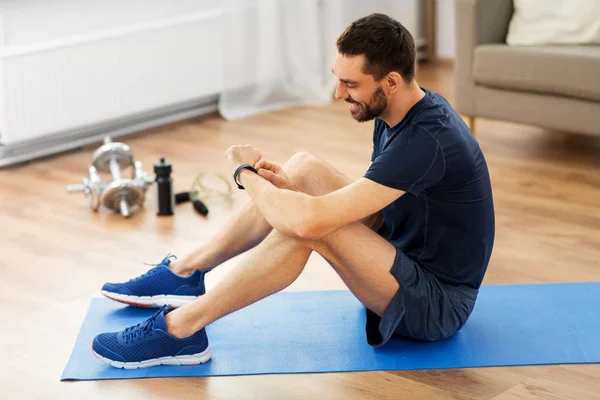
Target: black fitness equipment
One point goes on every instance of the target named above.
(209, 187)
(166, 200)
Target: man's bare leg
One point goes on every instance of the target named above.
(248, 227)
(270, 267)
(360, 256)
(241, 233)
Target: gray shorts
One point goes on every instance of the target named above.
(423, 308)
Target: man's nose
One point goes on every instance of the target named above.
(340, 93)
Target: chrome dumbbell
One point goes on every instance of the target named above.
(122, 194)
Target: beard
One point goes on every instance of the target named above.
(372, 109)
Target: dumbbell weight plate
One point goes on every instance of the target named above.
(91, 195)
(96, 187)
(124, 189)
(89, 190)
(114, 150)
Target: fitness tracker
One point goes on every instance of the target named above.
(240, 169)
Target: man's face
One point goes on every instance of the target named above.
(365, 96)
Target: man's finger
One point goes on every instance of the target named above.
(271, 177)
(265, 173)
(266, 165)
(262, 164)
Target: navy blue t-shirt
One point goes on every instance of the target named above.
(445, 220)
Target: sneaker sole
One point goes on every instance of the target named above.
(192, 359)
(150, 301)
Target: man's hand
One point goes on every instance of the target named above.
(274, 174)
(238, 155)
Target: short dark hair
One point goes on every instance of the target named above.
(386, 44)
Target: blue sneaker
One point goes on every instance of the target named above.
(157, 287)
(148, 344)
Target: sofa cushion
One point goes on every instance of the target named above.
(541, 22)
(572, 71)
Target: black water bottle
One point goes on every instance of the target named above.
(164, 183)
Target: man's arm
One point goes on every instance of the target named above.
(298, 214)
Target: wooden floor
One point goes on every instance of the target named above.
(56, 253)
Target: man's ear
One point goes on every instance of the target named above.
(393, 81)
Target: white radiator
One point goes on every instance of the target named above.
(76, 87)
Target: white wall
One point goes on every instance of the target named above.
(444, 28)
(27, 22)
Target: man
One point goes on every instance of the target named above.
(411, 239)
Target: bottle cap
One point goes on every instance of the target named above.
(162, 168)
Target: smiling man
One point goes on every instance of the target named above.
(411, 239)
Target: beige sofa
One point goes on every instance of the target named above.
(555, 87)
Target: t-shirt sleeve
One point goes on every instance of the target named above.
(412, 162)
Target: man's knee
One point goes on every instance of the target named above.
(302, 166)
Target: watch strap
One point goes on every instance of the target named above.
(240, 169)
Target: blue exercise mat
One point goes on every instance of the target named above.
(307, 332)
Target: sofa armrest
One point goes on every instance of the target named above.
(476, 22)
